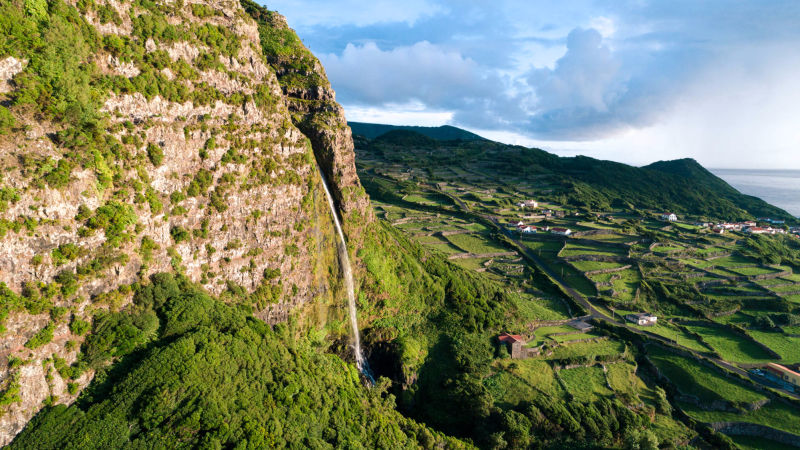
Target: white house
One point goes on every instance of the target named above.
(561, 231)
(669, 217)
(642, 319)
(528, 204)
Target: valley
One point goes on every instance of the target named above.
(725, 303)
(198, 251)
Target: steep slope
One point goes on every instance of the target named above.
(233, 382)
(691, 170)
(680, 186)
(142, 137)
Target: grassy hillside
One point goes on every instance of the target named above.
(683, 186)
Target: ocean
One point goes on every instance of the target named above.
(778, 187)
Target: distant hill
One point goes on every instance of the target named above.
(681, 186)
(407, 137)
(443, 133)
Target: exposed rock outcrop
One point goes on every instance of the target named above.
(202, 160)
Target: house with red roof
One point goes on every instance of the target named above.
(516, 346)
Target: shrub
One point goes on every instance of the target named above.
(7, 121)
(59, 176)
(114, 218)
(64, 253)
(155, 154)
(179, 234)
(44, 336)
(78, 326)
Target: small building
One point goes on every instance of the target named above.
(784, 373)
(581, 326)
(516, 346)
(526, 229)
(561, 231)
(759, 230)
(642, 319)
(533, 204)
(669, 217)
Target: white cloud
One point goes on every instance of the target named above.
(421, 72)
(646, 80)
(312, 13)
(585, 77)
(604, 25)
(413, 113)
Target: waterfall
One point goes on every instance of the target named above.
(347, 271)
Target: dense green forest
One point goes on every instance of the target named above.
(192, 371)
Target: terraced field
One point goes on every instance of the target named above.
(695, 379)
(679, 272)
(731, 346)
(476, 243)
(585, 384)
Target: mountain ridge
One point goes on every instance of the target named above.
(682, 186)
(441, 133)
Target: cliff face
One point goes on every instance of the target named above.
(140, 137)
(312, 103)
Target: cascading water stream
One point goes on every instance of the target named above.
(347, 271)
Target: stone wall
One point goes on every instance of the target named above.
(755, 430)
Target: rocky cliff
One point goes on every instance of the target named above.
(139, 137)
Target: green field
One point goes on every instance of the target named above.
(586, 384)
(476, 243)
(602, 348)
(731, 346)
(582, 249)
(615, 238)
(574, 337)
(775, 414)
(532, 308)
(516, 381)
(622, 378)
(542, 334)
(445, 248)
(733, 261)
(538, 374)
(753, 271)
(471, 263)
(429, 199)
(759, 443)
(668, 331)
(588, 266)
(695, 379)
(786, 346)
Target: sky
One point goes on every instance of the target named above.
(634, 81)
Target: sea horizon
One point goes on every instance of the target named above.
(779, 187)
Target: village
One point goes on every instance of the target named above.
(747, 227)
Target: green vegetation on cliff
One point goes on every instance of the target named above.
(192, 371)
